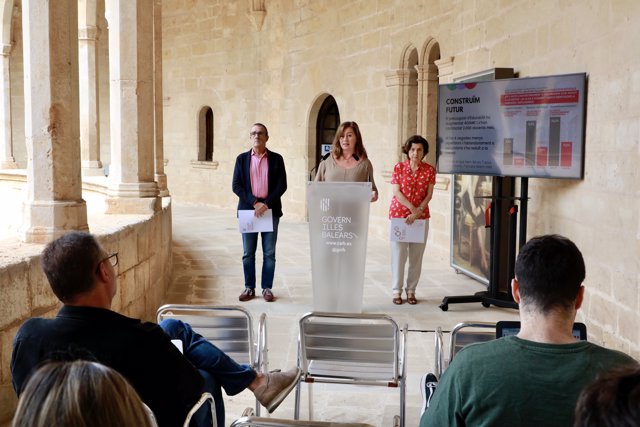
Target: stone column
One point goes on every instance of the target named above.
(428, 106)
(7, 161)
(89, 110)
(405, 81)
(161, 178)
(132, 187)
(54, 202)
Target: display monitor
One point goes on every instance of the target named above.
(524, 127)
(505, 328)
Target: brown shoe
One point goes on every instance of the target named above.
(397, 300)
(411, 299)
(278, 386)
(267, 295)
(247, 294)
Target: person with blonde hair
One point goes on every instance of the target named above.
(80, 393)
(82, 274)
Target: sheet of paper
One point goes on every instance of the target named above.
(400, 231)
(249, 223)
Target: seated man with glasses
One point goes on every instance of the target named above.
(82, 275)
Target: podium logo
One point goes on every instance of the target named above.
(325, 204)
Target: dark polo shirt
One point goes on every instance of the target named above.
(165, 380)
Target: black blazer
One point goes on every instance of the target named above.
(277, 182)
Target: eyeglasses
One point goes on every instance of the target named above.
(258, 134)
(113, 259)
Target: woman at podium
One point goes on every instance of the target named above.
(413, 182)
(348, 161)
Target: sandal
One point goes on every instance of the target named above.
(397, 300)
(411, 299)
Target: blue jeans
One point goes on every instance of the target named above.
(249, 244)
(217, 369)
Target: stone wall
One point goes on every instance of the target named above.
(220, 54)
(144, 268)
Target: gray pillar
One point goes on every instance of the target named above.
(54, 202)
(132, 187)
(7, 161)
(89, 110)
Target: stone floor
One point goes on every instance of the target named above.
(208, 270)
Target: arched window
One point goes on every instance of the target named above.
(205, 135)
(326, 127)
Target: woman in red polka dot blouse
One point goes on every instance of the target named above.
(413, 182)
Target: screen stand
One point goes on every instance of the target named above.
(495, 296)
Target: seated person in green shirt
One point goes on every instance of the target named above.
(534, 378)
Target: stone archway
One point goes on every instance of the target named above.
(428, 95)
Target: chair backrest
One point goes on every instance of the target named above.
(467, 333)
(360, 347)
(251, 421)
(204, 398)
(230, 328)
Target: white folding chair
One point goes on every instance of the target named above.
(462, 334)
(251, 421)
(230, 328)
(206, 397)
(352, 348)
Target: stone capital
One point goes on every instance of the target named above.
(401, 77)
(445, 68)
(88, 33)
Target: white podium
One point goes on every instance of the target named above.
(338, 228)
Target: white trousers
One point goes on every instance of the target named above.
(400, 252)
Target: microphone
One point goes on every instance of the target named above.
(323, 158)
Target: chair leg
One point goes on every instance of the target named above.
(310, 393)
(402, 401)
(296, 409)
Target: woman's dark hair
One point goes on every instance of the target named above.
(415, 139)
(612, 400)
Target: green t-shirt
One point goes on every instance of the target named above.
(514, 382)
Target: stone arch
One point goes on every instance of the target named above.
(430, 51)
(312, 122)
(405, 79)
(409, 123)
(205, 134)
(409, 57)
(428, 94)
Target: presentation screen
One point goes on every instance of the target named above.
(528, 127)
